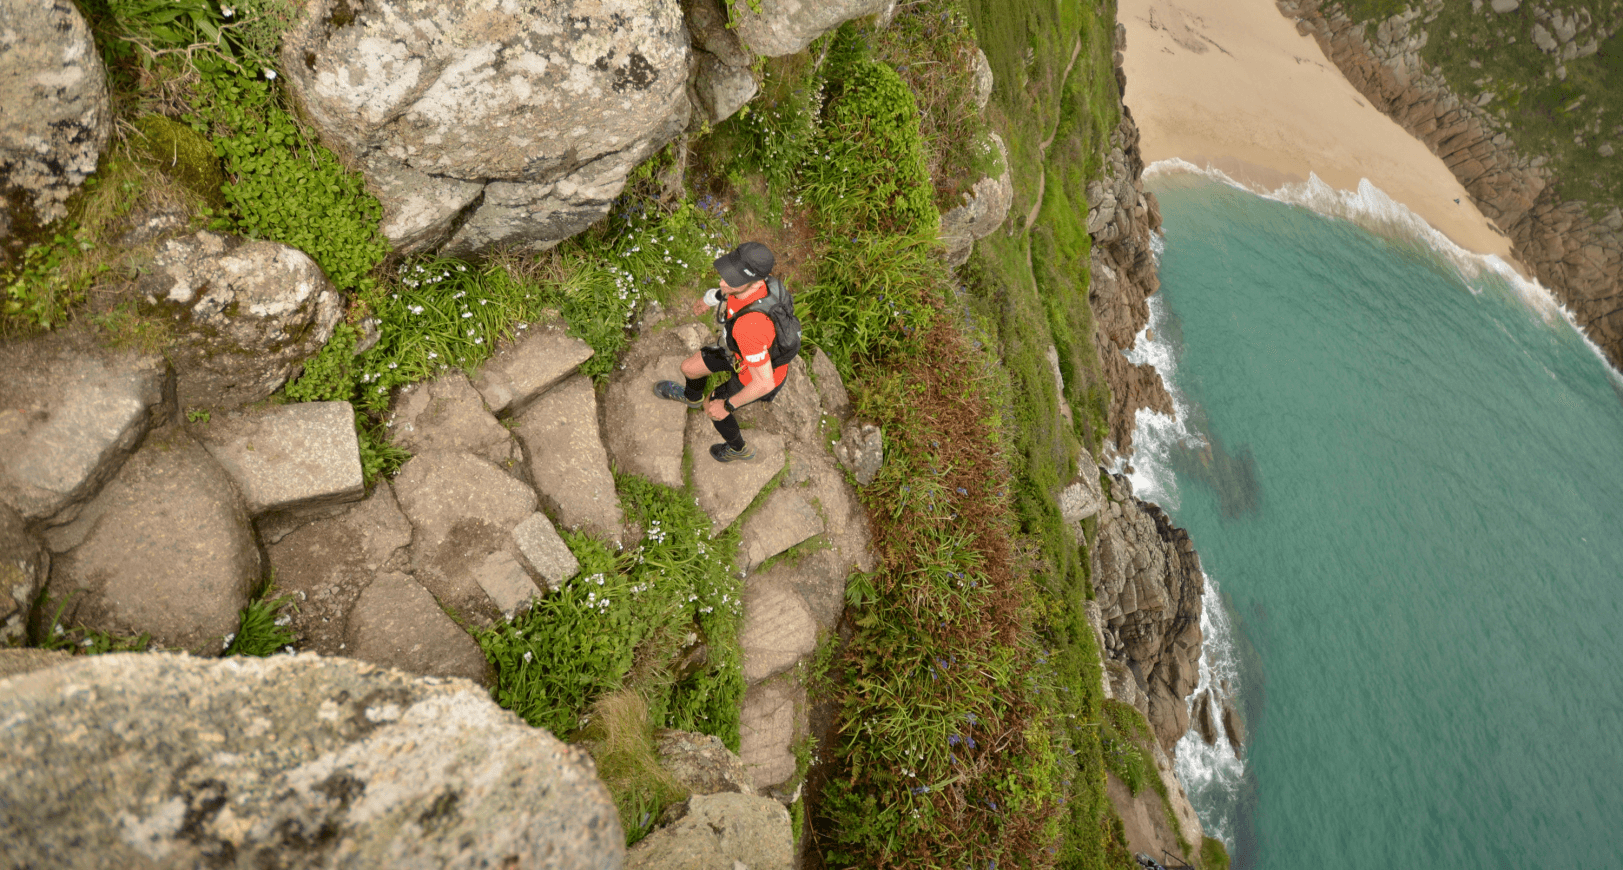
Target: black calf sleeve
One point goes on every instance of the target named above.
(727, 428)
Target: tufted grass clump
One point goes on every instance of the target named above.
(620, 737)
(625, 621)
(264, 628)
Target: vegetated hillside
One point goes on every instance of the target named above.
(968, 720)
(1550, 70)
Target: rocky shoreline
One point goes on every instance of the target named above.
(1576, 256)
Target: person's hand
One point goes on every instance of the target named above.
(699, 307)
(716, 409)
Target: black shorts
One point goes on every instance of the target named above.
(717, 359)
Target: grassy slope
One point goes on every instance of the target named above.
(1565, 119)
(1025, 290)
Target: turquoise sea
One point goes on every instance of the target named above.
(1404, 474)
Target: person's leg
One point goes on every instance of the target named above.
(728, 428)
(696, 371)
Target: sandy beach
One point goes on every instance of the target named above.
(1230, 84)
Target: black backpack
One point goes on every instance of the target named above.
(778, 304)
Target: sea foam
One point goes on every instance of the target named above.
(1371, 208)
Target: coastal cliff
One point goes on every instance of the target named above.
(1562, 242)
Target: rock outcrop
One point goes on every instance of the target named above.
(1121, 219)
(986, 204)
(247, 315)
(165, 548)
(55, 114)
(720, 831)
(480, 122)
(787, 26)
(157, 760)
(289, 458)
(1148, 585)
(1578, 256)
(70, 414)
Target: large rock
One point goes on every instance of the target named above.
(521, 370)
(720, 832)
(289, 457)
(787, 26)
(291, 761)
(165, 548)
(448, 414)
(567, 460)
(69, 415)
(463, 510)
(397, 624)
(701, 763)
(326, 565)
(24, 565)
(985, 206)
(54, 110)
(248, 314)
(546, 108)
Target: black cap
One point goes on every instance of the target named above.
(746, 264)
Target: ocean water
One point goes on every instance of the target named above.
(1403, 469)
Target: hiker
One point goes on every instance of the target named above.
(759, 336)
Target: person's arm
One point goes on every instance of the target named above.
(760, 384)
(709, 300)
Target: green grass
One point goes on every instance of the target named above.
(263, 629)
(624, 622)
(1565, 119)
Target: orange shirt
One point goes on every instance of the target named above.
(754, 333)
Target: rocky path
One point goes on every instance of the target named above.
(108, 489)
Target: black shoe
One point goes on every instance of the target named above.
(722, 453)
(676, 393)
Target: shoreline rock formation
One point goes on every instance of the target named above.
(1576, 256)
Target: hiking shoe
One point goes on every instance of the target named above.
(676, 393)
(722, 453)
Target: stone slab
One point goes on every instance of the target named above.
(287, 457)
(547, 554)
(462, 509)
(724, 831)
(69, 416)
(568, 461)
(725, 489)
(448, 414)
(643, 432)
(772, 719)
(778, 629)
(397, 624)
(506, 582)
(520, 371)
(784, 520)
